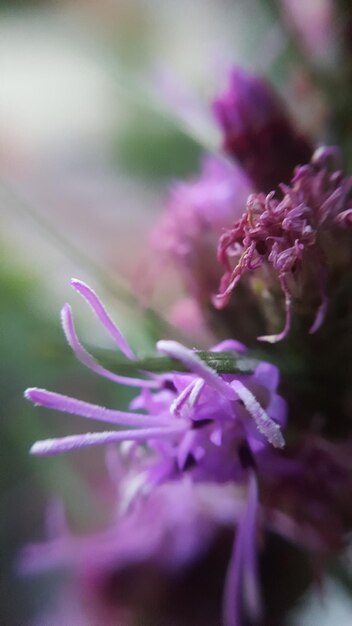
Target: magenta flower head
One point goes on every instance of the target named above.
(258, 132)
(296, 241)
(196, 214)
(200, 428)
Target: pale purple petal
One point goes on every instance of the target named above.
(267, 375)
(88, 360)
(251, 593)
(182, 398)
(66, 404)
(50, 447)
(229, 345)
(188, 396)
(185, 447)
(195, 393)
(277, 409)
(287, 527)
(232, 607)
(264, 423)
(190, 359)
(100, 311)
(242, 570)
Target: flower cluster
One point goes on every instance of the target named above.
(214, 460)
(296, 241)
(192, 411)
(262, 149)
(212, 440)
(200, 427)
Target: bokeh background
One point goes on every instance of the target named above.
(102, 105)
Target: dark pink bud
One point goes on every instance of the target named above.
(258, 132)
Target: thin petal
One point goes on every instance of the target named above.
(229, 345)
(264, 423)
(267, 375)
(242, 571)
(251, 593)
(100, 311)
(70, 405)
(195, 393)
(287, 326)
(178, 403)
(277, 409)
(188, 395)
(88, 360)
(232, 600)
(50, 447)
(190, 359)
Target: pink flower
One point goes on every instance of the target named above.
(294, 241)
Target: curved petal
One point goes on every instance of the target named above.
(100, 311)
(89, 361)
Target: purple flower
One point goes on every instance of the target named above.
(205, 433)
(295, 241)
(188, 414)
(258, 132)
(200, 468)
(197, 212)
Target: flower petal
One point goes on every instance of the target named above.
(50, 447)
(190, 359)
(89, 361)
(66, 404)
(100, 311)
(264, 423)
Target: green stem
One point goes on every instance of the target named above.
(221, 362)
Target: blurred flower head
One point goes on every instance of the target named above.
(149, 563)
(197, 212)
(258, 132)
